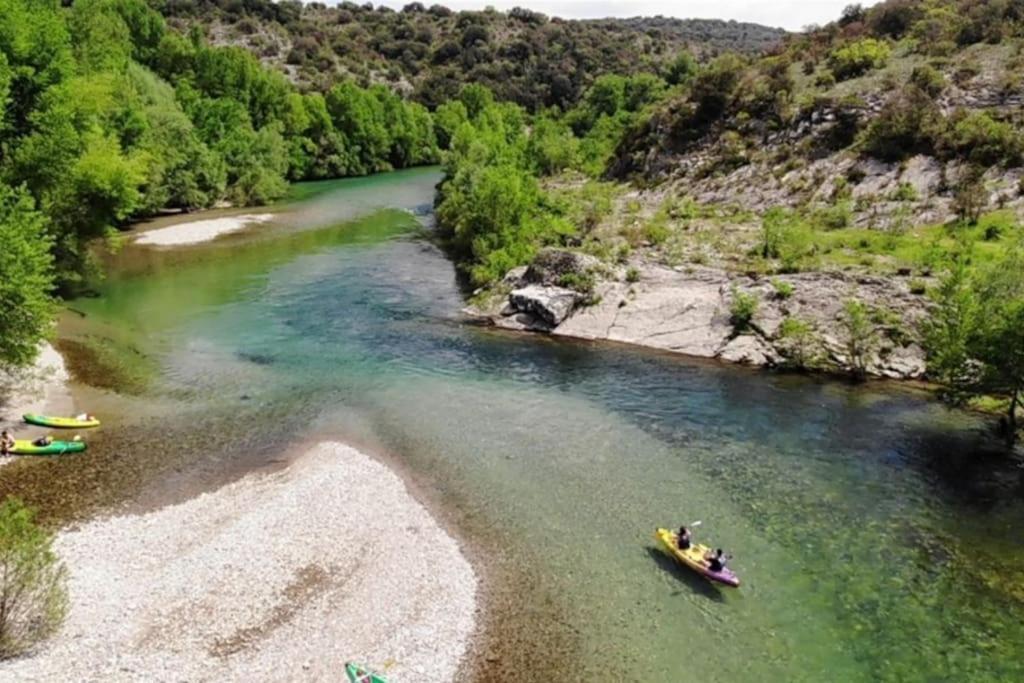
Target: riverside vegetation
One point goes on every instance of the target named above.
(884, 148)
(111, 114)
(884, 144)
(33, 590)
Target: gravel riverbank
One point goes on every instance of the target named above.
(195, 232)
(280, 576)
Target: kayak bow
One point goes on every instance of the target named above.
(360, 674)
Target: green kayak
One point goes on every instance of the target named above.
(360, 674)
(25, 447)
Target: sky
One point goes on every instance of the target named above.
(789, 14)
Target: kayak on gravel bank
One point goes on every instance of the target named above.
(61, 422)
(359, 674)
(693, 557)
(26, 447)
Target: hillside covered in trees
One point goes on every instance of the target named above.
(852, 199)
(429, 53)
(111, 113)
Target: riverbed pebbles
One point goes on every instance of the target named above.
(280, 576)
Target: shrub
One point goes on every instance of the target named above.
(742, 310)
(799, 345)
(928, 79)
(858, 58)
(905, 193)
(632, 274)
(583, 283)
(713, 88)
(861, 337)
(894, 18)
(970, 197)
(783, 289)
(908, 124)
(784, 237)
(837, 216)
(982, 139)
(682, 69)
(33, 592)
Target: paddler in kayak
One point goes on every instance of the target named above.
(683, 539)
(715, 560)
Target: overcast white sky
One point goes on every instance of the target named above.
(789, 14)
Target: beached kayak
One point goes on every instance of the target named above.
(26, 447)
(693, 558)
(359, 674)
(60, 422)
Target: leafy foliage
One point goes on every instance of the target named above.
(33, 591)
(26, 277)
(857, 58)
(861, 337)
(742, 310)
(975, 339)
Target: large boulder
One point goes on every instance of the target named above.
(550, 304)
(748, 350)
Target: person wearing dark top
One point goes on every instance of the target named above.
(683, 538)
(6, 443)
(716, 560)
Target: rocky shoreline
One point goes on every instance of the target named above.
(688, 310)
(280, 576)
(39, 388)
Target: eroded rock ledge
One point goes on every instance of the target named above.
(688, 310)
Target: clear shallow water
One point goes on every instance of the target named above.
(876, 537)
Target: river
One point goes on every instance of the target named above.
(876, 535)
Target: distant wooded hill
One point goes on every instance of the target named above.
(431, 52)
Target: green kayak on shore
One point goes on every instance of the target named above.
(360, 674)
(26, 447)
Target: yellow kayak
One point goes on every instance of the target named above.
(693, 557)
(60, 422)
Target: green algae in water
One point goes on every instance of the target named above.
(867, 523)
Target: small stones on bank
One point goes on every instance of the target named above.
(276, 577)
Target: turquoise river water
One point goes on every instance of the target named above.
(878, 535)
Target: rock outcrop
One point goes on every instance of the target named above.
(552, 305)
(688, 310)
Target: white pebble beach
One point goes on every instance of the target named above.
(195, 232)
(280, 576)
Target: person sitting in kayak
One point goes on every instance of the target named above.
(716, 560)
(6, 443)
(43, 441)
(683, 538)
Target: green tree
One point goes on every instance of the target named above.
(975, 337)
(33, 581)
(858, 57)
(861, 337)
(798, 343)
(681, 69)
(26, 278)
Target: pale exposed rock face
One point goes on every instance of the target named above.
(749, 349)
(551, 304)
(687, 310)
